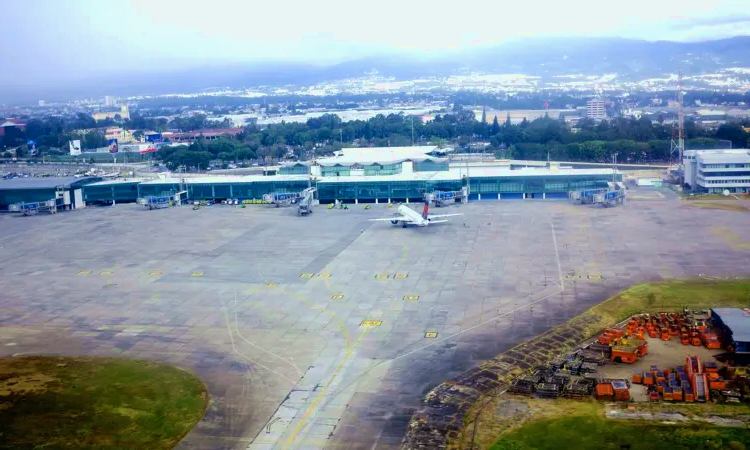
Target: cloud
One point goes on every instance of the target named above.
(711, 22)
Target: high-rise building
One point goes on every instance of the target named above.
(109, 101)
(595, 109)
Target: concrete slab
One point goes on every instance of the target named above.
(275, 348)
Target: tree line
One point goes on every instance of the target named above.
(635, 140)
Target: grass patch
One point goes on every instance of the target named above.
(102, 403)
(716, 197)
(595, 432)
(726, 206)
(665, 296)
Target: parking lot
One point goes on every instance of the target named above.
(326, 331)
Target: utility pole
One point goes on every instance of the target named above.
(681, 137)
(614, 167)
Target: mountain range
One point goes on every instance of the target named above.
(630, 59)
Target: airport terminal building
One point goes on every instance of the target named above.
(716, 171)
(373, 175)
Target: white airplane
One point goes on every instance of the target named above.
(407, 216)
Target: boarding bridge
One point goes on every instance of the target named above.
(585, 196)
(156, 201)
(305, 206)
(282, 198)
(610, 198)
(34, 208)
(443, 198)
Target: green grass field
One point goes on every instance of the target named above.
(96, 403)
(590, 432)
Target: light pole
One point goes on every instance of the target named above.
(614, 167)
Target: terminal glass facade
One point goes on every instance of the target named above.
(383, 169)
(329, 190)
(369, 191)
(108, 193)
(335, 171)
(430, 166)
(297, 169)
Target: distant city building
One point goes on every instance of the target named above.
(124, 113)
(41, 102)
(109, 101)
(120, 134)
(715, 171)
(208, 134)
(595, 110)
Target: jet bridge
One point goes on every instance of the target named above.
(445, 198)
(282, 198)
(305, 203)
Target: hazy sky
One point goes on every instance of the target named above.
(66, 39)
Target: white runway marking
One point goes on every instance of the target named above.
(237, 326)
(231, 337)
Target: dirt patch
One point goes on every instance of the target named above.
(664, 355)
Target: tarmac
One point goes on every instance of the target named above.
(327, 331)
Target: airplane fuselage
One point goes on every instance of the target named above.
(415, 218)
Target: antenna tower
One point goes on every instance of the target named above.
(679, 146)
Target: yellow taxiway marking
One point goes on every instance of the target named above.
(337, 297)
(306, 275)
(400, 276)
(431, 334)
(371, 323)
(155, 273)
(595, 277)
(324, 275)
(271, 284)
(411, 298)
(349, 348)
(382, 276)
(84, 273)
(196, 274)
(105, 273)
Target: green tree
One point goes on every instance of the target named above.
(732, 132)
(495, 128)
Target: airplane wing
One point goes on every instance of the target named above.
(437, 221)
(391, 219)
(437, 216)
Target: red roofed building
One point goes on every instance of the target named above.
(17, 123)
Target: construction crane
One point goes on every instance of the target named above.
(305, 204)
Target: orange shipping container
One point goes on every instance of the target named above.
(604, 391)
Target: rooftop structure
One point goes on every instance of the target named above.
(40, 189)
(45, 182)
(736, 324)
(381, 155)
